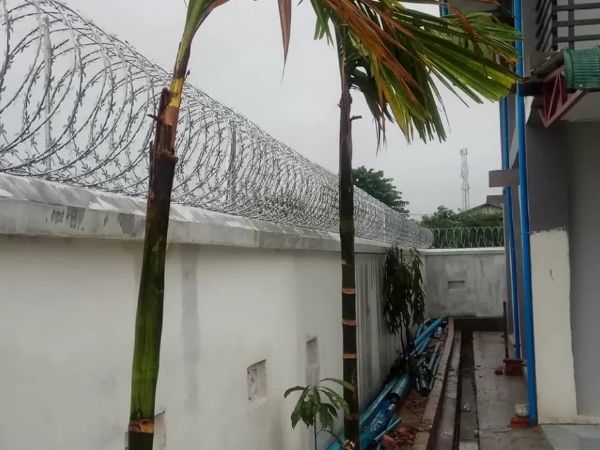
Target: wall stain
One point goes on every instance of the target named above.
(190, 322)
(58, 215)
(74, 216)
(127, 223)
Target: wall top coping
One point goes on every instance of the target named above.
(35, 207)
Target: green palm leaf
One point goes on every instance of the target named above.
(396, 57)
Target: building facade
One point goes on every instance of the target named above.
(551, 180)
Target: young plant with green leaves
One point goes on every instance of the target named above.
(403, 295)
(418, 291)
(471, 55)
(319, 406)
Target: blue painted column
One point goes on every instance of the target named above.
(524, 212)
(510, 247)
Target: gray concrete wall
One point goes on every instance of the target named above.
(547, 158)
(584, 226)
(469, 282)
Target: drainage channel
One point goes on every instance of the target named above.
(467, 424)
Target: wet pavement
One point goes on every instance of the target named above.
(573, 437)
(496, 396)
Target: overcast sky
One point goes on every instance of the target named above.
(237, 58)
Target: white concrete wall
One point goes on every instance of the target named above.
(67, 337)
(380, 348)
(550, 276)
(68, 309)
(465, 282)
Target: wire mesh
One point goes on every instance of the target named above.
(468, 237)
(74, 107)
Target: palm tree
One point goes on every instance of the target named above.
(468, 54)
(366, 29)
(148, 325)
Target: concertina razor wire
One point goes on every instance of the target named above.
(74, 107)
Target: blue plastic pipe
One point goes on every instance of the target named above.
(444, 10)
(368, 413)
(428, 331)
(373, 419)
(512, 257)
(422, 346)
(524, 210)
(419, 329)
(381, 421)
(392, 425)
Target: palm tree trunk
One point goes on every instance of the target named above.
(349, 322)
(149, 316)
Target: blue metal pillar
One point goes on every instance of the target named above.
(524, 210)
(512, 257)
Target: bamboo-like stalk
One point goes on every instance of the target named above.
(149, 316)
(346, 209)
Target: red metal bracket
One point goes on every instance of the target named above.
(557, 100)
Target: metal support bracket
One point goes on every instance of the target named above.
(557, 100)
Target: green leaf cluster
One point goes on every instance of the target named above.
(378, 186)
(403, 293)
(399, 56)
(445, 217)
(319, 405)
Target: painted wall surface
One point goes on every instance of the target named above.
(380, 348)
(66, 336)
(551, 277)
(584, 240)
(469, 282)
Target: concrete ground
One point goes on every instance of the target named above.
(573, 437)
(496, 396)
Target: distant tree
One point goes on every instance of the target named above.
(480, 219)
(465, 229)
(375, 184)
(447, 218)
(442, 218)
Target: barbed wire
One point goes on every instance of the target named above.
(74, 107)
(468, 237)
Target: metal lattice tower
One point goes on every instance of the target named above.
(464, 173)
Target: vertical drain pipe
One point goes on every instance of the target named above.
(444, 8)
(512, 257)
(524, 210)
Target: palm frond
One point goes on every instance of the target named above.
(472, 55)
(198, 11)
(399, 56)
(285, 17)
